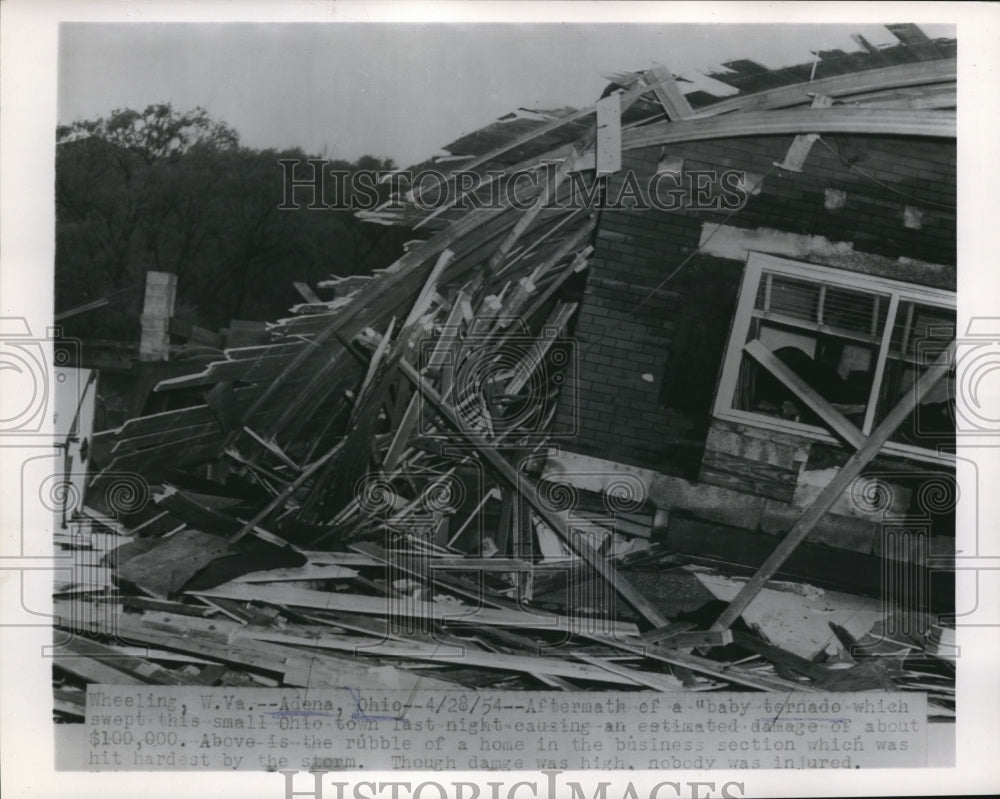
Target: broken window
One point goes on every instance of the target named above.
(828, 352)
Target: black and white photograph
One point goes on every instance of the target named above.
(583, 404)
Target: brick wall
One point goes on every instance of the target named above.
(654, 323)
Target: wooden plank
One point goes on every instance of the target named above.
(191, 332)
(532, 359)
(404, 607)
(502, 536)
(848, 473)
(457, 656)
(658, 682)
(71, 703)
(839, 423)
(609, 135)
(90, 670)
(125, 446)
(370, 304)
(528, 137)
(139, 668)
(306, 293)
(145, 603)
(840, 87)
(675, 104)
(915, 40)
(373, 394)
(167, 421)
(308, 669)
(448, 336)
(529, 215)
(527, 489)
(842, 119)
(339, 558)
(799, 150)
(272, 448)
(311, 571)
(153, 461)
(692, 639)
(628, 99)
(578, 264)
(284, 494)
(781, 657)
(422, 568)
(256, 370)
(722, 671)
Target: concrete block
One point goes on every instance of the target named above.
(843, 532)
(707, 502)
(869, 498)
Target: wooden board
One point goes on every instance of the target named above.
(405, 607)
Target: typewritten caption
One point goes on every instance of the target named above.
(216, 729)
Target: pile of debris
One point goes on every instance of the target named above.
(360, 501)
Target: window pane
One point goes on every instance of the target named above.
(838, 368)
(788, 296)
(916, 337)
(820, 305)
(830, 332)
(858, 312)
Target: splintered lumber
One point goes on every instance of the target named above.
(448, 337)
(375, 299)
(311, 571)
(532, 359)
(685, 639)
(283, 495)
(840, 424)
(91, 670)
(338, 558)
(453, 655)
(145, 603)
(297, 668)
(545, 193)
(527, 489)
(848, 473)
(675, 104)
(78, 647)
(70, 703)
(406, 607)
(712, 668)
(781, 657)
(578, 264)
(411, 563)
(658, 682)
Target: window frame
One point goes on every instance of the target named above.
(900, 291)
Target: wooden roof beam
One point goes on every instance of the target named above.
(843, 119)
(840, 87)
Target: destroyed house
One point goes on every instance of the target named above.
(562, 433)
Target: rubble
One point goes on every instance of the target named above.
(362, 494)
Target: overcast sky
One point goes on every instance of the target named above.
(396, 90)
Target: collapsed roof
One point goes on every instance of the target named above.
(387, 442)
